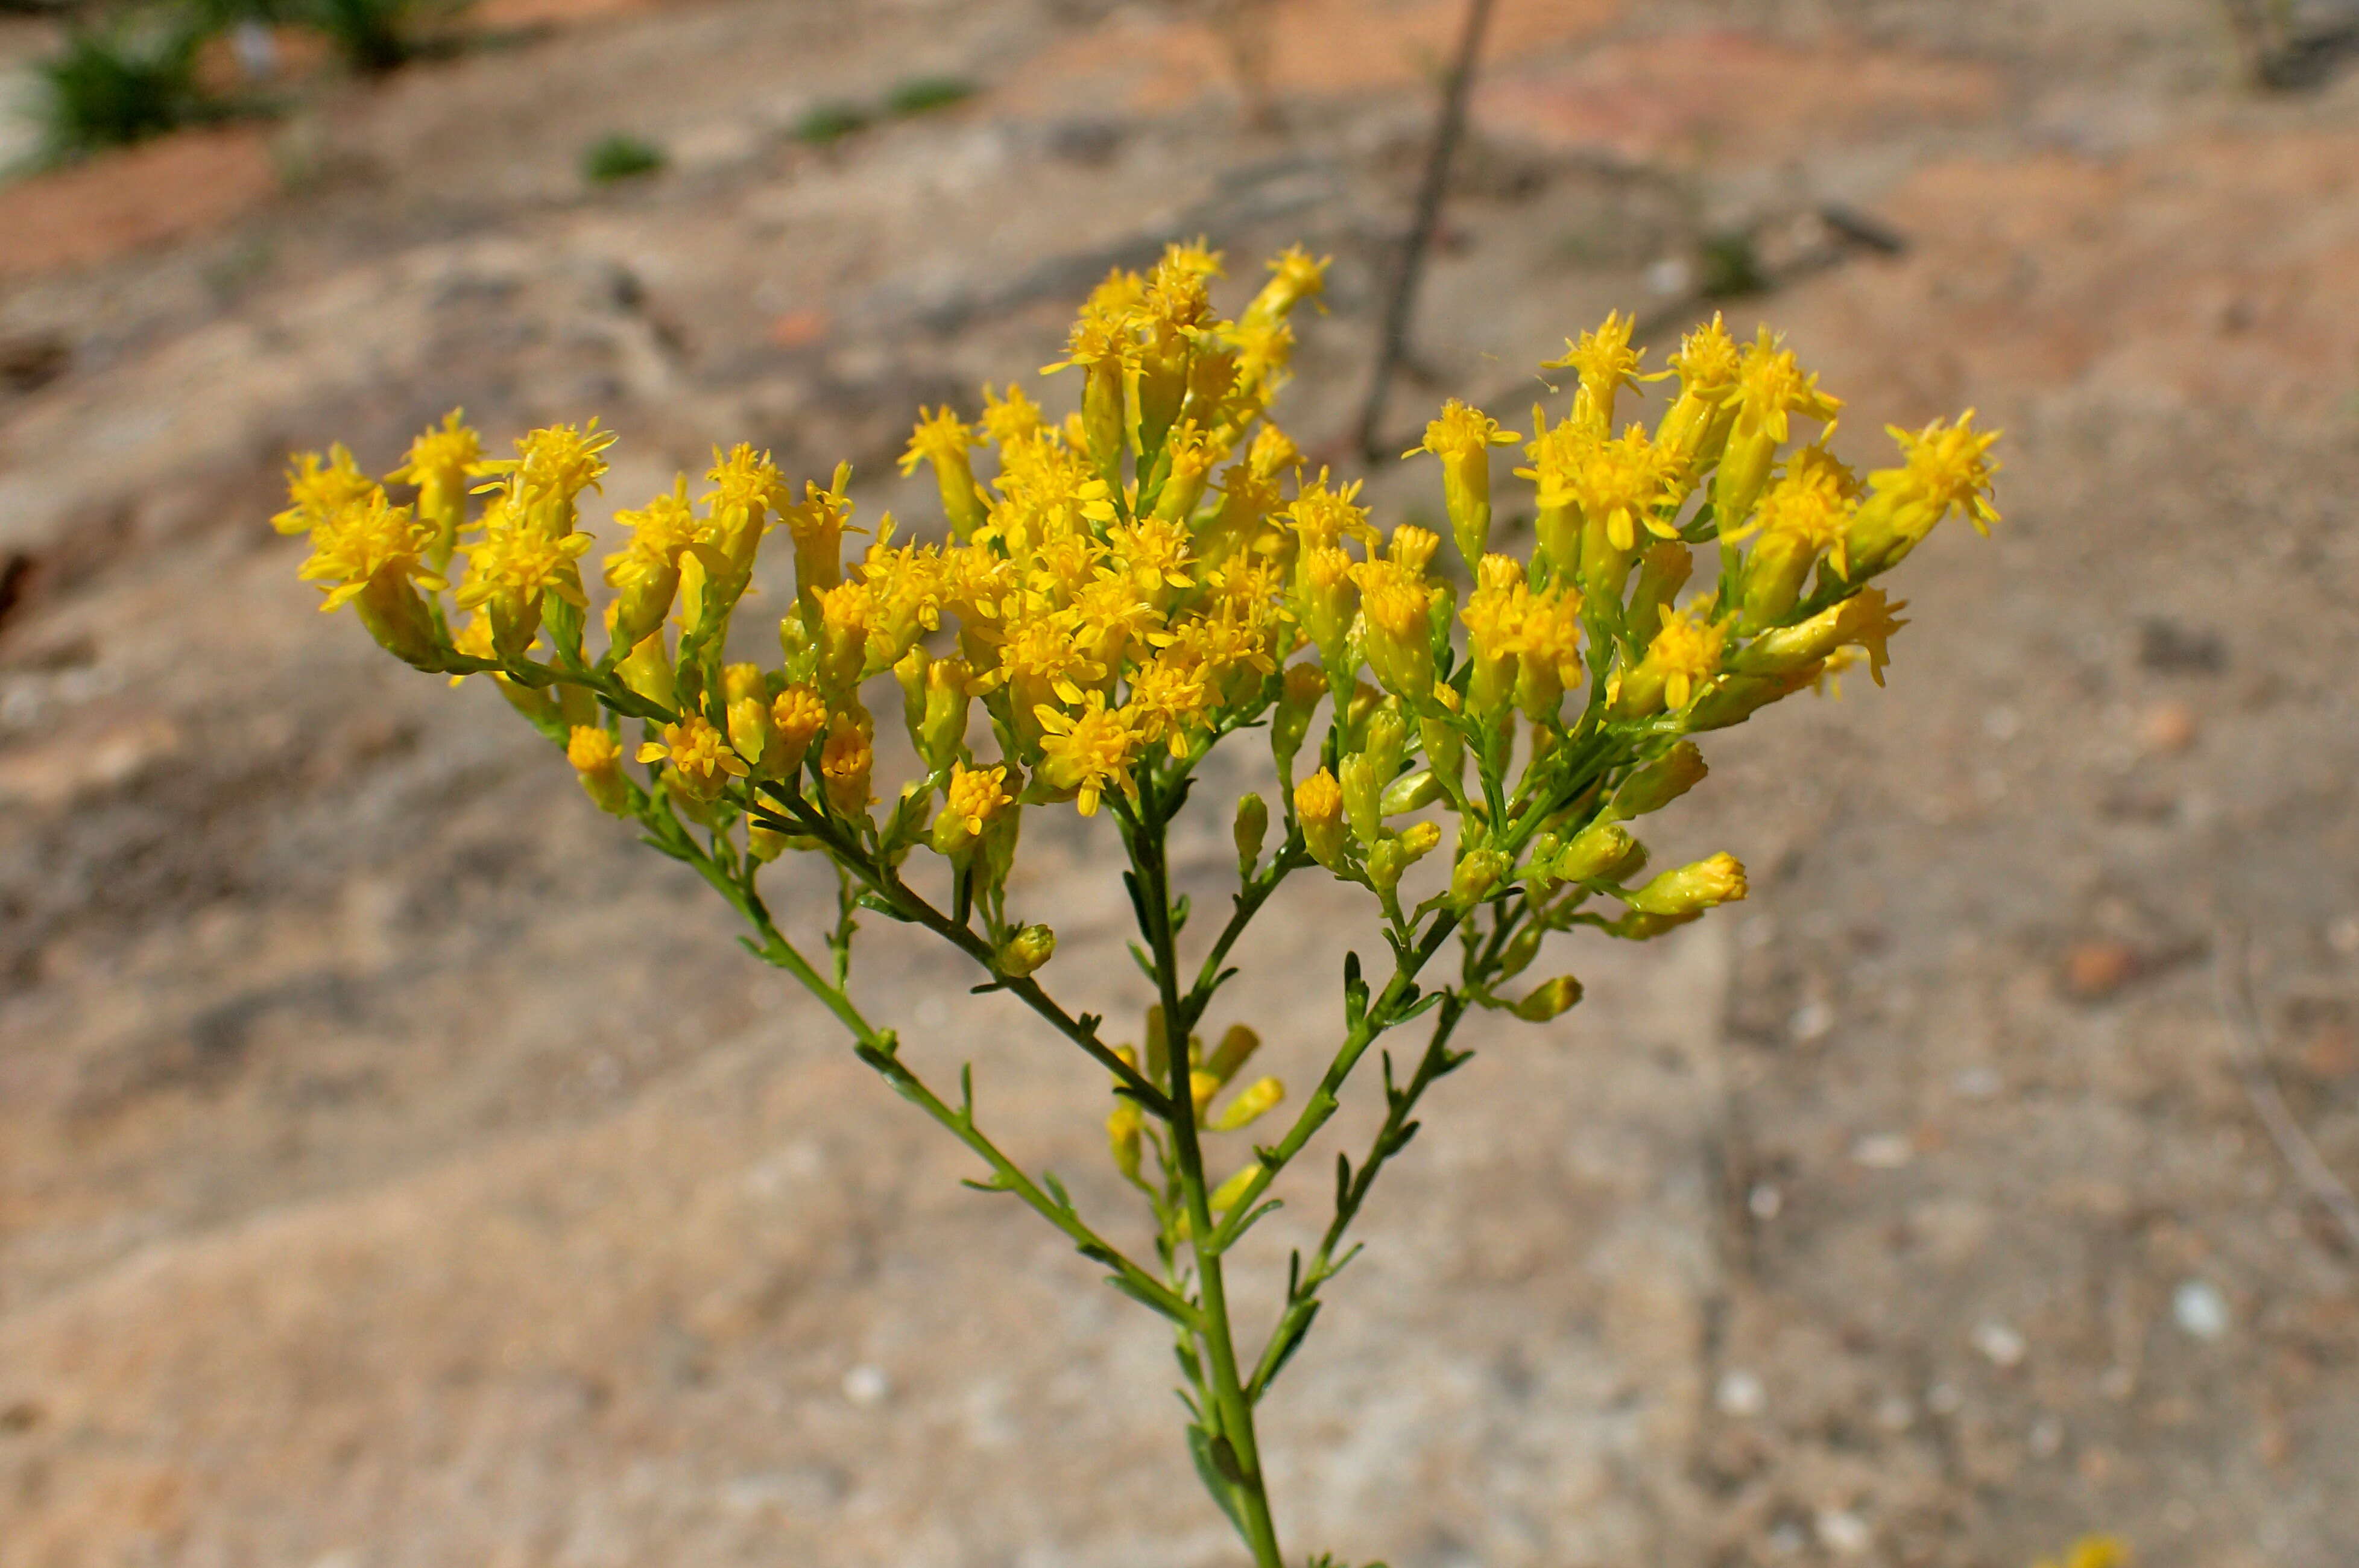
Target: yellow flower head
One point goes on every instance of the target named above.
(699, 757)
(1807, 512)
(1707, 359)
(975, 796)
(317, 491)
(845, 760)
(1606, 362)
(1294, 278)
(939, 434)
(552, 466)
(1272, 454)
(1168, 700)
(817, 524)
(1462, 433)
(1088, 751)
(1011, 422)
(1319, 807)
(645, 571)
(598, 762)
(441, 458)
(1322, 517)
(1629, 483)
(796, 716)
(1684, 654)
(368, 541)
(1771, 384)
(513, 564)
(1944, 470)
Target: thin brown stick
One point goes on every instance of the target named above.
(1391, 346)
(2232, 989)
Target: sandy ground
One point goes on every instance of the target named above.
(399, 1167)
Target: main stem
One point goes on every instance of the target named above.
(1234, 1410)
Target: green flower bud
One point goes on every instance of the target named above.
(1659, 783)
(1250, 828)
(1253, 1102)
(1602, 852)
(1236, 1048)
(1476, 875)
(1026, 950)
(1690, 889)
(1548, 999)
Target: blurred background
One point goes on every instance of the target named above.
(399, 1166)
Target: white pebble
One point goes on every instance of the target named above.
(1845, 1533)
(2001, 1344)
(1741, 1394)
(1812, 1020)
(1883, 1151)
(866, 1386)
(2200, 1310)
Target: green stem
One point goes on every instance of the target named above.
(1302, 1301)
(1325, 1100)
(1232, 1410)
(886, 884)
(879, 1050)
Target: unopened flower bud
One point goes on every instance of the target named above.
(1304, 685)
(751, 730)
(1250, 828)
(1236, 1048)
(646, 669)
(1411, 790)
(1123, 1124)
(1659, 783)
(1602, 852)
(1663, 570)
(943, 725)
(1225, 1196)
(1319, 806)
(797, 717)
(1026, 950)
(1253, 1102)
(598, 763)
(1477, 873)
(1548, 999)
(765, 845)
(1692, 888)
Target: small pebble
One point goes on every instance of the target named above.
(2170, 728)
(866, 1386)
(1979, 1084)
(2098, 969)
(1741, 1394)
(2200, 1310)
(1812, 1020)
(1766, 1202)
(2001, 1344)
(1844, 1533)
(2342, 936)
(1945, 1400)
(1883, 1151)
(1894, 1413)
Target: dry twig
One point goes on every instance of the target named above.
(2231, 987)
(1392, 346)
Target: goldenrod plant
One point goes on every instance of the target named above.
(1476, 745)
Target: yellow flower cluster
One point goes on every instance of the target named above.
(1131, 583)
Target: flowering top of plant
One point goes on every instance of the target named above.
(1131, 584)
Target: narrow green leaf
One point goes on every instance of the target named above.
(1199, 1449)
